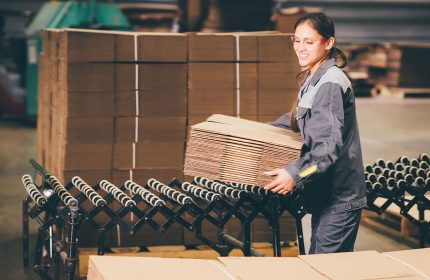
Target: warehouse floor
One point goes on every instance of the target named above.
(389, 127)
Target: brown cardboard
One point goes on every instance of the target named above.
(417, 259)
(168, 155)
(151, 76)
(350, 266)
(158, 102)
(125, 76)
(89, 104)
(211, 76)
(125, 46)
(252, 268)
(87, 77)
(222, 101)
(237, 150)
(150, 129)
(130, 268)
(162, 76)
(195, 119)
(80, 45)
(151, 47)
(43, 104)
(221, 76)
(277, 76)
(141, 176)
(264, 132)
(91, 177)
(86, 156)
(158, 47)
(47, 35)
(53, 41)
(276, 102)
(276, 48)
(219, 47)
(90, 130)
(44, 126)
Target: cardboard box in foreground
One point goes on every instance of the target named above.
(366, 265)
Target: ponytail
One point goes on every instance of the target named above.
(339, 55)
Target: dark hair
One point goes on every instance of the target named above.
(325, 27)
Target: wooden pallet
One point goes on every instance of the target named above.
(200, 252)
(409, 92)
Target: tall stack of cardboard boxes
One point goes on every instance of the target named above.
(150, 117)
(85, 100)
(222, 76)
(250, 75)
(277, 70)
(117, 109)
(117, 105)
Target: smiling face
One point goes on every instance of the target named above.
(310, 47)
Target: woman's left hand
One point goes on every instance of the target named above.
(283, 182)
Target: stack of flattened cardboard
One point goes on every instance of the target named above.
(115, 111)
(238, 150)
(113, 107)
(76, 101)
(150, 119)
(251, 75)
(150, 102)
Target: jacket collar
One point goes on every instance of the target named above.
(321, 71)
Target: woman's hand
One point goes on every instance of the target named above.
(282, 184)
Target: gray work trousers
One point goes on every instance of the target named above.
(334, 232)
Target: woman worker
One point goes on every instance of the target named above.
(330, 167)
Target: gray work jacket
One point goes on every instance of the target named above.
(330, 167)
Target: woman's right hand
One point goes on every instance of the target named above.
(282, 184)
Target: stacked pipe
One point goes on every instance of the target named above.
(403, 174)
(405, 183)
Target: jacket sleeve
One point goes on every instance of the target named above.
(323, 135)
(283, 121)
